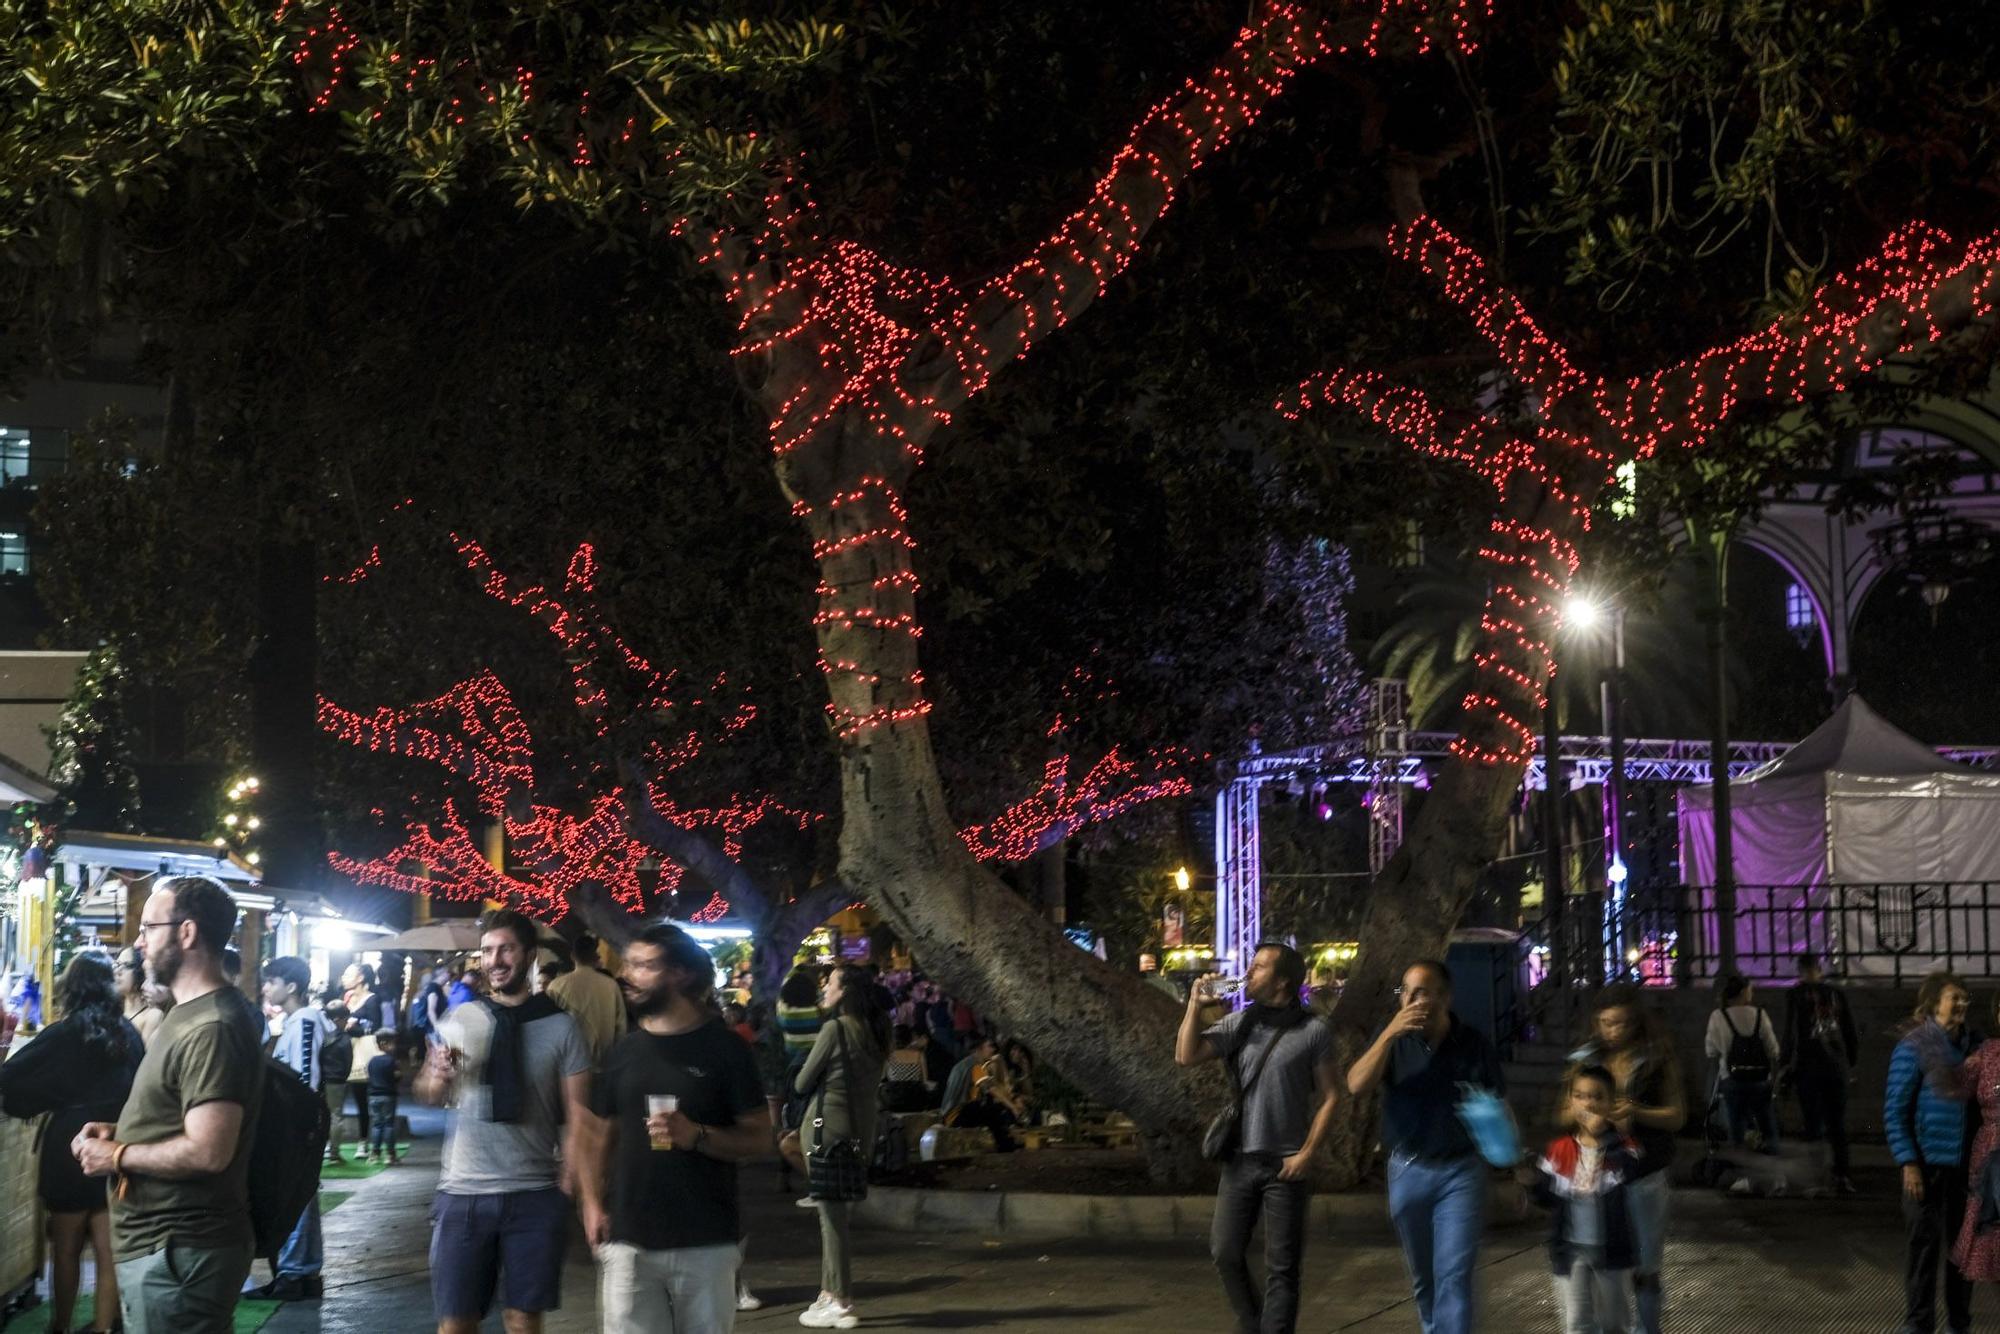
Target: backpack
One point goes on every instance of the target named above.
(1747, 1059)
(420, 1008)
(287, 1144)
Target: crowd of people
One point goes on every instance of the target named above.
(637, 1097)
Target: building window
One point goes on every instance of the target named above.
(13, 553)
(1799, 616)
(15, 452)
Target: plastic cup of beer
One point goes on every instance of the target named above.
(660, 1104)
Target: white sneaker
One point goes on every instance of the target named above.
(805, 1202)
(747, 1300)
(831, 1315)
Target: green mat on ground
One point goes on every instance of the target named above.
(329, 1200)
(349, 1170)
(251, 1313)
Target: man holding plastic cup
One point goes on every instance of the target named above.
(1437, 1180)
(676, 1107)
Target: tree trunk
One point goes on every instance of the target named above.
(283, 702)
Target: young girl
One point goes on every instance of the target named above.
(1581, 1179)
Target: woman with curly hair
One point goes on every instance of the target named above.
(79, 1069)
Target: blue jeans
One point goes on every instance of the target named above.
(382, 1122)
(1747, 1105)
(1439, 1209)
(303, 1253)
(1647, 1199)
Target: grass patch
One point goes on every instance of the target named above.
(349, 1170)
(251, 1313)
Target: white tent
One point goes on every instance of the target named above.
(1857, 804)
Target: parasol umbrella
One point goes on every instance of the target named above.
(456, 935)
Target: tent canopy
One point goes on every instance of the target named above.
(1861, 842)
(1858, 801)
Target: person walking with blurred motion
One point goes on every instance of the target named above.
(1649, 1106)
(517, 1071)
(841, 1080)
(1423, 1060)
(77, 1070)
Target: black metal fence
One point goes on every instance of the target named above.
(1672, 935)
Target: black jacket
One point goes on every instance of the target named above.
(1797, 1044)
(1555, 1186)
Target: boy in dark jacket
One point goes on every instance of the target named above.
(1581, 1179)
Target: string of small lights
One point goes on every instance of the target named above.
(1581, 428)
(476, 733)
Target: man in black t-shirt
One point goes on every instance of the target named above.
(659, 1186)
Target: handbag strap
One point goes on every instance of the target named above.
(1263, 1058)
(825, 1072)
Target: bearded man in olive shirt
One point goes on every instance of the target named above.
(180, 1210)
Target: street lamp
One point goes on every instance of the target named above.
(1589, 615)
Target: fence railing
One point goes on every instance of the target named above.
(1890, 933)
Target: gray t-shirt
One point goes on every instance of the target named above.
(485, 1157)
(1278, 1111)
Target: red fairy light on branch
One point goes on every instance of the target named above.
(476, 733)
(1546, 472)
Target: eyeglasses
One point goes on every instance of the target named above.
(148, 926)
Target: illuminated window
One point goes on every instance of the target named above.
(13, 553)
(14, 454)
(1799, 616)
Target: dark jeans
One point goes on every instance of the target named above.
(382, 1116)
(361, 1123)
(1823, 1104)
(1251, 1190)
(1934, 1222)
(1746, 1103)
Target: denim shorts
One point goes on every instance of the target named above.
(481, 1242)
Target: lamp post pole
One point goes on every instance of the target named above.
(1554, 894)
(1616, 874)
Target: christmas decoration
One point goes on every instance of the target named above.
(1548, 471)
(237, 821)
(566, 825)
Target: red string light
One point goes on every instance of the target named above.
(1582, 427)
(476, 732)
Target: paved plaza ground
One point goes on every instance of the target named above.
(1734, 1265)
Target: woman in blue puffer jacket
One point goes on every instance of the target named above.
(1926, 1128)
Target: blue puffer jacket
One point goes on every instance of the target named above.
(1923, 1126)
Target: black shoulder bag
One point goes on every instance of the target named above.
(836, 1169)
(1219, 1142)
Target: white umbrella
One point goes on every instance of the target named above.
(454, 935)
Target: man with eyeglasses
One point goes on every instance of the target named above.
(1437, 1180)
(180, 1208)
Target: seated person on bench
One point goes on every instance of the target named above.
(977, 1094)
